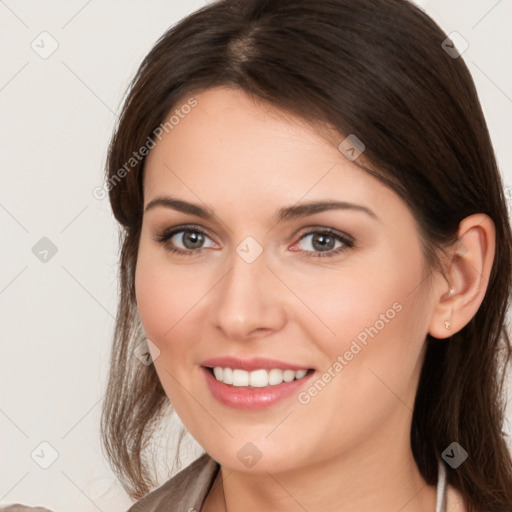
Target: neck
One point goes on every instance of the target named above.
(360, 482)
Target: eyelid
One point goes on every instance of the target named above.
(165, 235)
(347, 240)
(307, 230)
(168, 232)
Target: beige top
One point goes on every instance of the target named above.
(187, 490)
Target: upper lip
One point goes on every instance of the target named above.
(255, 363)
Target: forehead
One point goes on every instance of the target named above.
(232, 149)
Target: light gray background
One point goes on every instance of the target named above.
(57, 317)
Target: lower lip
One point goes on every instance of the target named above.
(252, 398)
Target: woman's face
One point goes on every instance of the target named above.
(262, 278)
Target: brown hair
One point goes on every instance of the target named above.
(376, 69)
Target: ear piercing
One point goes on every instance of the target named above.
(450, 294)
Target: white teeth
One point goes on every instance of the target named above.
(288, 375)
(300, 373)
(227, 376)
(218, 372)
(256, 378)
(275, 376)
(240, 378)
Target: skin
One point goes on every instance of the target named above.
(348, 449)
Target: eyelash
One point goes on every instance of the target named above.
(348, 243)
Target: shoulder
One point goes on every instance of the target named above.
(17, 507)
(184, 491)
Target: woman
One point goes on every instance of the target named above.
(316, 253)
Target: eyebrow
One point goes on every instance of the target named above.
(283, 214)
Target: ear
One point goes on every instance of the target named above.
(466, 274)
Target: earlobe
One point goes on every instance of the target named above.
(467, 273)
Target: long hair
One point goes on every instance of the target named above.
(380, 70)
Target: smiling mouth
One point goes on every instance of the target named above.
(236, 377)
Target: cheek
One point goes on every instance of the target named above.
(344, 304)
(374, 357)
(154, 302)
(373, 314)
(168, 297)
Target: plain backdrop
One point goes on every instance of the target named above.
(57, 113)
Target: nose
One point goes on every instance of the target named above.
(249, 300)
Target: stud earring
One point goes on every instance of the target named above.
(447, 324)
(451, 292)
